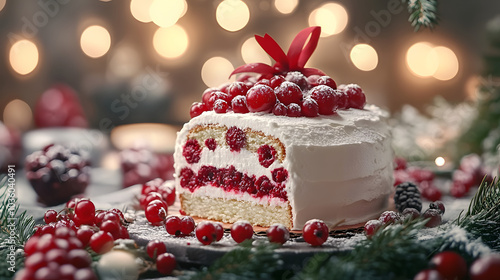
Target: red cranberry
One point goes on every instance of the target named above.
(315, 232)
(30, 245)
(173, 225)
(450, 265)
(280, 109)
(221, 106)
(293, 110)
(267, 155)
(187, 225)
(399, 163)
(431, 193)
(458, 189)
(241, 231)
(389, 217)
(155, 213)
(206, 233)
(219, 231)
(327, 81)
(309, 107)
(235, 138)
(111, 227)
(84, 234)
(288, 92)
(276, 81)
(466, 178)
(326, 99)
(434, 217)
(197, 109)
(411, 213)
(298, 79)
(207, 94)
(439, 205)
(260, 98)
(192, 151)
(50, 216)
(218, 95)
(277, 233)
(486, 267)
(428, 274)
(101, 242)
(371, 227)
(85, 210)
(237, 88)
(166, 263)
(79, 258)
(356, 96)
(239, 104)
(155, 248)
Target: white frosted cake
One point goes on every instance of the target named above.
(337, 168)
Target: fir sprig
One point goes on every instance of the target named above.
(423, 13)
(482, 218)
(10, 218)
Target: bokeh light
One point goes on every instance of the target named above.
(448, 64)
(95, 41)
(165, 13)
(232, 15)
(440, 161)
(171, 42)
(364, 57)
(23, 56)
(2, 4)
(216, 70)
(252, 52)
(286, 6)
(422, 59)
(332, 18)
(140, 10)
(18, 114)
(125, 62)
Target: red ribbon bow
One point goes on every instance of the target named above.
(295, 60)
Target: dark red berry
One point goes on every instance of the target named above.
(428, 274)
(211, 144)
(101, 242)
(173, 225)
(439, 205)
(315, 232)
(356, 96)
(279, 109)
(326, 99)
(221, 106)
(371, 227)
(241, 231)
(166, 263)
(450, 265)
(278, 233)
(187, 225)
(389, 217)
(237, 88)
(219, 231)
(458, 189)
(84, 234)
(197, 109)
(431, 193)
(293, 110)
(297, 78)
(155, 248)
(309, 107)
(218, 95)
(239, 104)
(207, 94)
(206, 233)
(434, 217)
(260, 98)
(79, 258)
(327, 81)
(191, 151)
(111, 227)
(155, 213)
(288, 92)
(235, 138)
(85, 210)
(267, 155)
(276, 81)
(410, 213)
(279, 175)
(485, 268)
(50, 216)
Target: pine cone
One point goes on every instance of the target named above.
(407, 196)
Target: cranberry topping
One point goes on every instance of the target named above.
(267, 155)
(260, 98)
(221, 106)
(235, 138)
(239, 104)
(356, 96)
(197, 109)
(288, 92)
(237, 88)
(309, 107)
(279, 109)
(298, 79)
(192, 151)
(327, 81)
(293, 110)
(326, 98)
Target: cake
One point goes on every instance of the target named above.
(284, 147)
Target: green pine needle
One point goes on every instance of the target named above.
(423, 13)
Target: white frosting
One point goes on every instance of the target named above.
(333, 162)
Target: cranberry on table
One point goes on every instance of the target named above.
(155, 212)
(101, 242)
(173, 225)
(434, 217)
(439, 205)
(428, 274)
(371, 227)
(389, 217)
(278, 233)
(315, 232)
(485, 268)
(219, 231)
(450, 265)
(155, 248)
(166, 263)
(187, 225)
(206, 232)
(241, 231)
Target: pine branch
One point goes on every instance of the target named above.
(423, 13)
(482, 218)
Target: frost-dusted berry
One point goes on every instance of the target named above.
(280, 109)
(288, 92)
(221, 106)
(327, 81)
(431, 193)
(192, 151)
(166, 263)
(407, 195)
(410, 213)
(439, 205)
(356, 96)
(276, 81)
(155, 248)
(239, 104)
(279, 174)
(218, 95)
(278, 233)
(371, 227)
(241, 231)
(187, 177)
(297, 78)
(237, 88)
(155, 213)
(294, 110)
(486, 267)
(260, 98)
(205, 232)
(267, 155)
(389, 217)
(187, 225)
(315, 232)
(197, 109)
(309, 107)
(434, 217)
(450, 265)
(326, 98)
(428, 274)
(211, 144)
(235, 138)
(207, 94)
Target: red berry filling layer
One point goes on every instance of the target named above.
(232, 180)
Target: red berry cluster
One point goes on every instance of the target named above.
(433, 214)
(470, 173)
(179, 226)
(421, 176)
(59, 248)
(165, 262)
(292, 95)
(232, 180)
(57, 173)
(140, 165)
(450, 265)
(155, 198)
